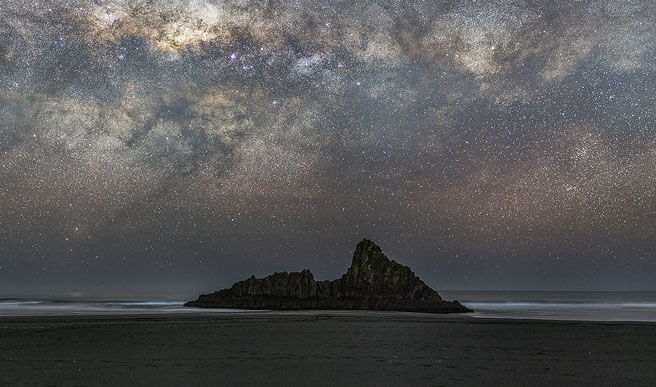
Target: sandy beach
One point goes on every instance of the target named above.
(317, 348)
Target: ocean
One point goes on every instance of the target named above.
(547, 305)
(559, 305)
(48, 307)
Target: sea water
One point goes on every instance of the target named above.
(557, 305)
(48, 307)
(550, 305)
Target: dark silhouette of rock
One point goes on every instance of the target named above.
(372, 282)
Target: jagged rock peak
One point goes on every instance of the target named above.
(370, 264)
(373, 274)
(367, 252)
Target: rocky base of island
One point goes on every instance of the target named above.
(373, 282)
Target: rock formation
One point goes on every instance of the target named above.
(373, 282)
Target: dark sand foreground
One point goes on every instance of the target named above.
(316, 348)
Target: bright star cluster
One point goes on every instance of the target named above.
(498, 144)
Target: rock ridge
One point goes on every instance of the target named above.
(372, 282)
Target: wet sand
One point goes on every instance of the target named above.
(317, 348)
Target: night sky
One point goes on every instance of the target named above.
(176, 146)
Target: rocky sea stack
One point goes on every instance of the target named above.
(373, 282)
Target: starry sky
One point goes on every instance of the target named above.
(169, 146)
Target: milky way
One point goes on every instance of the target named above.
(180, 145)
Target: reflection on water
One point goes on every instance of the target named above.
(26, 307)
(587, 306)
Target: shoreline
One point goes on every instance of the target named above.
(222, 314)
